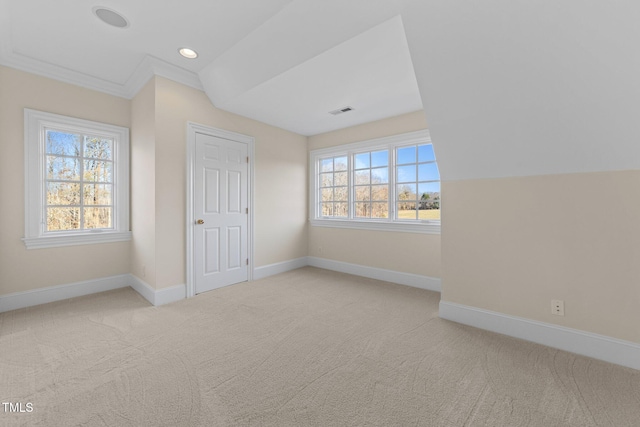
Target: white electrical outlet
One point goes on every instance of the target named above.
(557, 307)
(319, 249)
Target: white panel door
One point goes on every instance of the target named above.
(220, 211)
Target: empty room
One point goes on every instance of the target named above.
(319, 213)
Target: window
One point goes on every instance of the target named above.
(371, 179)
(334, 185)
(418, 183)
(76, 180)
(384, 184)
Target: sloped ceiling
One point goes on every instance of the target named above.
(509, 88)
(283, 62)
(376, 82)
(514, 88)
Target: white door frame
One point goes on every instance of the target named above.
(192, 130)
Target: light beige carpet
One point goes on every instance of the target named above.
(305, 348)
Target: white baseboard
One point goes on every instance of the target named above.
(157, 297)
(600, 347)
(408, 279)
(143, 288)
(178, 292)
(171, 294)
(279, 267)
(56, 293)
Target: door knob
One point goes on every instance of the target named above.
(200, 221)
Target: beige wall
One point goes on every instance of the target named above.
(143, 187)
(509, 245)
(405, 252)
(157, 117)
(280, 181)
(21, 269)
(512, 245)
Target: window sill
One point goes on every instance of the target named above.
(423, 227)
(76, 239)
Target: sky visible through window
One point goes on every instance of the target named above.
(418, 183)
(79, 181)
(416, 178)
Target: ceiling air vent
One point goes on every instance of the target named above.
(341, 110)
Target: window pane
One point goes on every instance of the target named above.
(97, 194)
(425, 153)
(428, 201)
(429, 214)
(362, 161)
(326, 179)
(63, 193)
(65, 168)
(341, 194)
(380, 176)
(379, 158)
(362, 177)
(62, 143)
(341, 209)
(361, 182)
(407, 210)
(363, 210)
(98, 171)
(363, 193)
(98, 148)
(63, 219)
(340, 178)
(406, 192)
(379, 210)
(340, 163)
(97, 218)
(407, 155)
(432, 188)
(407, 173)
(72, 171)
(380, 193)
(428, 172)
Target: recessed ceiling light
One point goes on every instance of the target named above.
(188, 53)
(110, 17)
(341, 110)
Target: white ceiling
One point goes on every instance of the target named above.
(283, 62)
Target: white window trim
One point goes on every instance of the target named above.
(35, 123)
(389, 143)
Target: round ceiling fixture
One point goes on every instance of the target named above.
(188, 53)
(110, 17)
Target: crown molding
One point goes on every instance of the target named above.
(148, 68)
(152, 66)
(20, 62)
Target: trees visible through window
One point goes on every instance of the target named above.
(371, 179)
(77, 181)
(418, 181)
(388, 181)
(334, 182)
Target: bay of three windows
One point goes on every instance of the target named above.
(401, 183)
